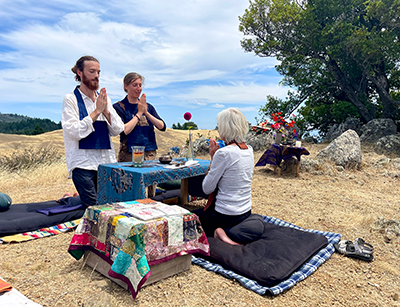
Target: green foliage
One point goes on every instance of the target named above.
(185, 126)
(12, 117)
(331, 52)
(30, 158)
(28, 126)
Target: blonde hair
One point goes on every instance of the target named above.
(131, 77)
(232, 125)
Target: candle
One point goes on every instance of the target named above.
(298, 143)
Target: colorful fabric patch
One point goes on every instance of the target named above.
(189, 228)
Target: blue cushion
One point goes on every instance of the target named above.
(5, 202)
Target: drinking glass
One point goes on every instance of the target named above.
(137, 155)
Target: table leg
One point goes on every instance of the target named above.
(279, 170)
(298, 168)
(184, 190)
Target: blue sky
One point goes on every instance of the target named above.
(188, 51)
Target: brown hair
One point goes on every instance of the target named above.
(80, 65)
(131, 77)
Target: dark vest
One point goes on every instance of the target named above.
(99, 138)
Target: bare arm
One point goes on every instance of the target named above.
(159, 124)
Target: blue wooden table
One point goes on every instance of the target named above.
(122, 182)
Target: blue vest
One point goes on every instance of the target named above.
(141, 135)
(99, 138)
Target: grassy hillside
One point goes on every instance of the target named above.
(165, 140)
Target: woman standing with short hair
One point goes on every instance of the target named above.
(139, 118)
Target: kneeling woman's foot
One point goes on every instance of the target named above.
(220, 234)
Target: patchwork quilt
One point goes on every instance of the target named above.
(132, 245)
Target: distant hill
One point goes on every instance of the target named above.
(9, 118)
(20, 124)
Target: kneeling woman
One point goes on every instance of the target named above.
(229, 177)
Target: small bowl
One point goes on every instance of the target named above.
(165, 159)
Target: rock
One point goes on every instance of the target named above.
(390, 228)
(289, 165)
(315, 166)
(381, 162)
(396, 163)
(376, 129)
(259, 141)
(309, 164)
(388, 145)
(200, 146)
(337, 129)
(344, 151)
(310, 139)
(339, 168)
(183, 152)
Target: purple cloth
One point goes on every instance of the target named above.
(66, 205)
(60, 209)
(276, 153)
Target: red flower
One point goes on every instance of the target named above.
(187, 116)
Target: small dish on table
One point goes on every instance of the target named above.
(165, 159)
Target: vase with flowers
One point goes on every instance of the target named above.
(190, 152)
(284, 129)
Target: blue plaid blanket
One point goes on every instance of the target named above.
(304, 271)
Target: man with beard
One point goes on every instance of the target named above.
(88, 120)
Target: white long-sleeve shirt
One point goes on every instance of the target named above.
(75, 129)
(232, 171)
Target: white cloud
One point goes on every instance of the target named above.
(189, 51)
(219, 106)
(234, 93)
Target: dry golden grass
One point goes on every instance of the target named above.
(344, 202)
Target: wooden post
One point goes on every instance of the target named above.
(184, 191)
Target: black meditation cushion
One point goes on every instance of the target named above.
(20, 218)
(272, 258)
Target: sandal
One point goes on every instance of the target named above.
(353, 251)
(363, 246)
(342, 245)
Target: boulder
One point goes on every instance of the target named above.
(388, 145)
(337, 129)
(259, 141)
(376, 129)
(200, 146)
(344, 151)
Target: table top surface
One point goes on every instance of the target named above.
(154, 165)
(123, 182)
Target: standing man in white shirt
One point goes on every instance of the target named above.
(88, 120)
